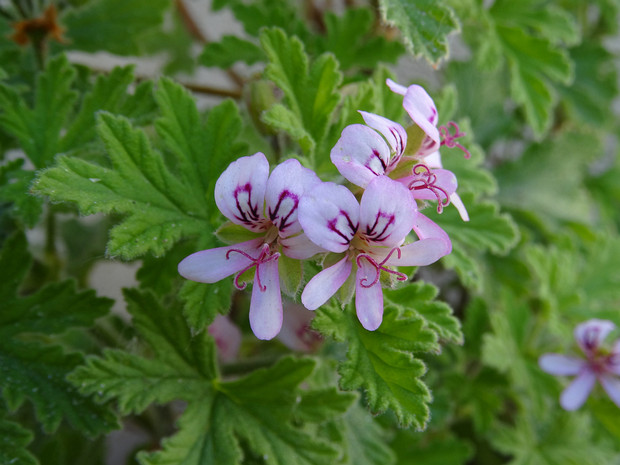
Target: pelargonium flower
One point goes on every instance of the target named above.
(364, 152)
(599, 364)
(227, 337)
(422, 110)
(370, 234)
(248, 196)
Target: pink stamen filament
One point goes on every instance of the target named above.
(253, 262)
(449, 140)
(426, 180)
(379, 267)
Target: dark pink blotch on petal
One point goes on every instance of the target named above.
(590, 335)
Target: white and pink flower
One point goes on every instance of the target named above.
(248, 196)
(599, 364)
(371, 235)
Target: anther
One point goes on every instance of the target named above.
(263, 257)
(426, 179)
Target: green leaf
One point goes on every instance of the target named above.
(37, 370)
(38, 128)
(13, 442)
(180, 368)
(14, 188)
(364, 439)
(323, 404)
(382, 362)
(161, 205)
(559, 438)
(116, 26)
(310, 90)
(424, 24)
(419, 298)
(432, 451)
(534, 62)
(230, 50)
(347, 37)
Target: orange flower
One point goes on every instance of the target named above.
(39, 28)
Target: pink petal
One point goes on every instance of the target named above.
(590, 335)
(396, 88)
(266, 306)
(611, 384)
(300, 247)
(460, 207)
(386, 212)
(240, 192)
(577, 392)
(325, 284)
(360, 154)
(329, 215)
(562, 365)
(296, 333)
(420, 253)
(421, 108)
(393, 133)
(287, 183)
(368, 301)
(212, 265)
(426, 228)
(433, 160)
(227, 338)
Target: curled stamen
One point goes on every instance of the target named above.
(379, 267)
(253, 262)
(449, 140)
(426, 179)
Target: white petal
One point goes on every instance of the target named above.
(325, 284)
(368, 301)
(611, 384)
(240, 192)
(285, 187)
(562, 365)
(421, 108)
(590, 335)
(386, 212)
(329, 215)
(425, 228)
(578, 391)
(420, 253)
(212, 265)
(393, 133)
(360, 154)
(266, 306)
(396, 88)
(300, 247)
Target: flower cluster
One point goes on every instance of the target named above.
(599, 364)
(295, 214)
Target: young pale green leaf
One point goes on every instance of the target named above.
(230, 50)
(383, 362)
(38, 128)
(116, 26)
(310, 90)
(37, 371)
(424, 24)
(419, 298)
(13, 442)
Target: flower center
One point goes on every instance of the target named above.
(449, 140)
(379, 267)
(426, 179)
(264, 256)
